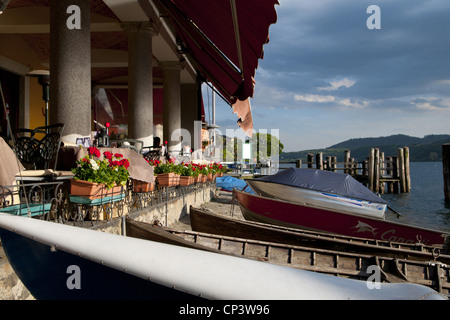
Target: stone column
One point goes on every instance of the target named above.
(140, 81)
(70, 67)
(172, 104)
(190, 111)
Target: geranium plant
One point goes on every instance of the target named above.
(111, 171)
(186, 169)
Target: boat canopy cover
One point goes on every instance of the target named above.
(324, 181)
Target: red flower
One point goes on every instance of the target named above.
(94, 151)
(108, 155)
(118, 155)
(124, 162)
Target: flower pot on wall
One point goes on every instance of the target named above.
(114, 191)
(142, 186)
(87, 189)
(167, 179)
(186, 181)
(198, 178)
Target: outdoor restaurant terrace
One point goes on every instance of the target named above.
(118, 75)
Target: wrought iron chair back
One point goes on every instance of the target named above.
(26, 148)
(154, 154)
(38, 154)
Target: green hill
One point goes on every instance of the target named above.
(428, 148)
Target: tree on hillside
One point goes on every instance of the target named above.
(261, 147)
(264, 143)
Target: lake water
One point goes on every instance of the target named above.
(425, 205)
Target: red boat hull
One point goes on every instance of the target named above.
(290, 214)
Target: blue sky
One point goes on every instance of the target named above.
(326, 77)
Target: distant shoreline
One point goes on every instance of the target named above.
(426, 149)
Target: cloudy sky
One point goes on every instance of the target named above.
(326, 77)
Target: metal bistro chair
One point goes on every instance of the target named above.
(132, 144)
(154, 153)
(38, 154)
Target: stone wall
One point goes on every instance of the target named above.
(11, 288)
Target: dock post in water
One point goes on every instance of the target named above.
(407, 170)
(376, 171)
(319, 161)
(401, 169)
(371, 163)
(347, 164)
(446, 170)
(310, 160)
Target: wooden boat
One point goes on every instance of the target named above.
(204, 220)
(337, 263)
(57, 261)
(329, 190)
(303, 216)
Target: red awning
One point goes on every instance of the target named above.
(225, 39)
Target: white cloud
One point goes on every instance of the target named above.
(314, 98)
(346, 102)
(336, 85)
(353, 104)
(431, 103)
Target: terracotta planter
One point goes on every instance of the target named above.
(186, 181)
(142, 186)
(87, 189)
(220, 174)
(211, 177)
(114, 191)
(167, 179)
(198, 178)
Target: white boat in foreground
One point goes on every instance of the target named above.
(329, 190)
(57, 261)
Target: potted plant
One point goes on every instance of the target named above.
(166, 174)
(94, 178)
(143, 186)
(196, 172)
(211, 172)
(204, 171)
(219, 169)
(186, 174)
(205, 143)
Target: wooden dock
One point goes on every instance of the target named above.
(380, 173)
(446, 170)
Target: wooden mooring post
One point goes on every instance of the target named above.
(379, 173)
(446, 170)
